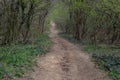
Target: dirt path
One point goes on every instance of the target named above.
(65, 61)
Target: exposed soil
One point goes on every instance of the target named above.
(65, 61)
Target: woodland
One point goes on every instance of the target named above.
(25, 24)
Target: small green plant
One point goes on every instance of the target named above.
(107, 57)
(110, 63)
(15, 60)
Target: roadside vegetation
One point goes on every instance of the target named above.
(15, 60)
(107, 57)
(23, 35)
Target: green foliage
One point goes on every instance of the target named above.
(110, 63)
(17, 18)
(95, 21)
(104, 49)
(21, 35)
(107, 57)
(15, 60)
(95, 25)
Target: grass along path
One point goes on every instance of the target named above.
(16, 60)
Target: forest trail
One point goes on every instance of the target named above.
(65, 61)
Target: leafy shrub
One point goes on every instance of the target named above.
(110, 63)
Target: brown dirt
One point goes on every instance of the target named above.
(65, 61)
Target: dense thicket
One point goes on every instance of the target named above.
(17, 17)
(96, 21)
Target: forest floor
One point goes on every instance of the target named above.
(65, 61)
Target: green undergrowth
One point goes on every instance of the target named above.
(15, 60)
(106, 56)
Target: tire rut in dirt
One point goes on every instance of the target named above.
(65, 66)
